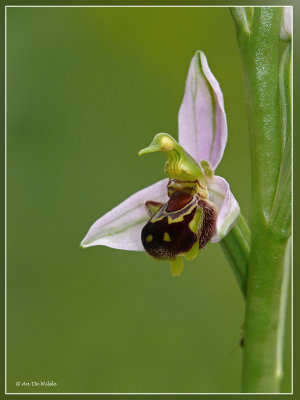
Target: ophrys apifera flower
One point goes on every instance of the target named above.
(180, 214)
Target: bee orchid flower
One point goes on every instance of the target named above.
(179, 215)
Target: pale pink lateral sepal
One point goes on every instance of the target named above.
(228, 208)
(202, 124)
(121, 227)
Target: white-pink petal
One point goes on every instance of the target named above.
(202, 124)
(121, 227)
(228, 209)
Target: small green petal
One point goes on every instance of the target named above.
(207, 169)
(153, 207)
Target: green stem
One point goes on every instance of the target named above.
(265, 306)
(236, 246)
(281, 210)
(283, 306)
(260, 58)
(267, 274)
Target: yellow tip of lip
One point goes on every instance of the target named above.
(176, 266)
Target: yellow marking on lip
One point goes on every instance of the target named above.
(185, 211)
(149, 238)
(166, 237)
(196, 223)
(157, 218)
(178, 219)
(172, 218)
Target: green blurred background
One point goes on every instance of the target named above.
(87, 88)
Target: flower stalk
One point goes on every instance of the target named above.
(267, 87)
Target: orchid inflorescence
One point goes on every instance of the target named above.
(179, 215)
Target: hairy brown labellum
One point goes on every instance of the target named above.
(177, 225)
(209, 222)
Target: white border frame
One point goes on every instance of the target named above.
(292, 275)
